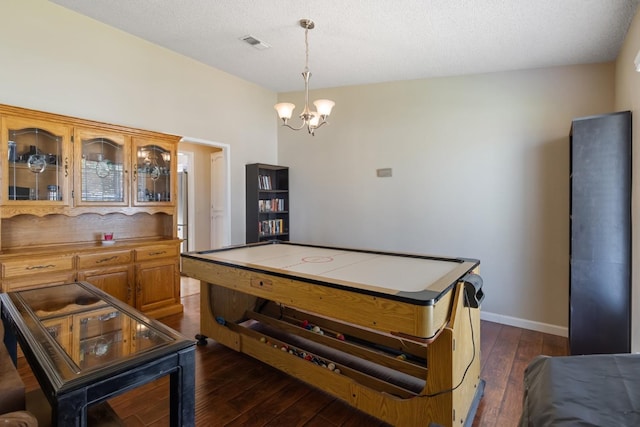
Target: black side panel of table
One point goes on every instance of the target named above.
(600, 271)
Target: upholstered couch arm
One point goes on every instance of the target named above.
(18, 419)
(12, 391)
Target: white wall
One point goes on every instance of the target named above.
(480, 170)
(56, 60)
(628, 98)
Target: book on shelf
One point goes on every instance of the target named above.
(271, 226)
(271, 205)
(264, 182)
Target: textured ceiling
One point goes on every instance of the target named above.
(369, 41)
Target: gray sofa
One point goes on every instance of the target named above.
(590, 390)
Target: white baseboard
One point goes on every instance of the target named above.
(525, 324)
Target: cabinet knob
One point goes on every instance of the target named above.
(66, 167)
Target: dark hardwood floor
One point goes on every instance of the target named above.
(234, 390)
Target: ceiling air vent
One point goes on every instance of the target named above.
(258, 44)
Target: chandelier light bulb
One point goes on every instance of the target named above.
(285, 110)
(314, 121)
(324, 106)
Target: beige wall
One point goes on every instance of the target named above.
(628, 98)
(59, 61)
(480, 163)
(480, 169)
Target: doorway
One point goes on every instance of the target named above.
(208, 193)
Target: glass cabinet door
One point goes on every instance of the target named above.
(37, 162)
(102, 175)
(152, 173)
(103, 336)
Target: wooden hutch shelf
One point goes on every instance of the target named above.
(64, 182)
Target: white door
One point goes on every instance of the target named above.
(218, 199)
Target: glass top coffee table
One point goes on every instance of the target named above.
(84, 347)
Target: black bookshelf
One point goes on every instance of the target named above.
(267, 202)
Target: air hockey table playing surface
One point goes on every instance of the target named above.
(412, 292)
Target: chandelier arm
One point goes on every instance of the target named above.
(291, 127)
(324, 122)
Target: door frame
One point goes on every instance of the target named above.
(191, 208)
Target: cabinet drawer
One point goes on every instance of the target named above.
(103, 259)
(37, 281)
(155, 252)
(31, 266)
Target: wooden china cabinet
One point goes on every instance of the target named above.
(64, 182)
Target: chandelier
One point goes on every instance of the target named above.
(312, 120)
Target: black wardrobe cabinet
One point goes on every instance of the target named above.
(600, 223)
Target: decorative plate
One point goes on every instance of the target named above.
(155, 173)
(37, 163)
(102, 169)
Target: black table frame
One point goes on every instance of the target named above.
(69, 402)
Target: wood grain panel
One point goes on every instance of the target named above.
(104, 259)
(156, 284)
(38, 281)
(156, 252)
(32, 266)
(117, 281)
(55, 230)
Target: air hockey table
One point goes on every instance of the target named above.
(395, 335)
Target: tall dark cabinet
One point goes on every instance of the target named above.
(267, 202)
(600, 223)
